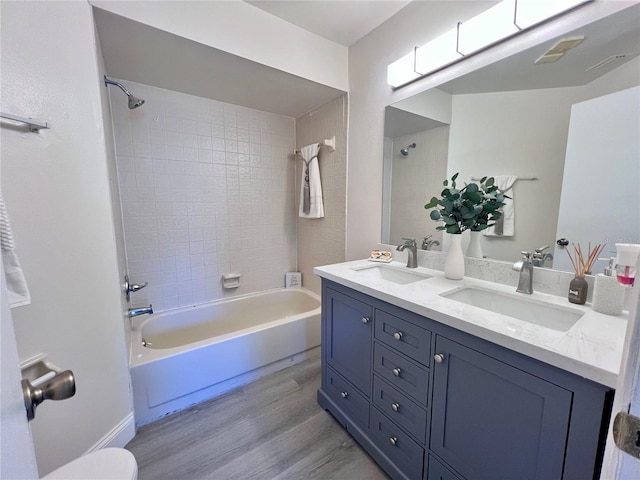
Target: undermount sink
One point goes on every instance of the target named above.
(399, 275)
(528, 310)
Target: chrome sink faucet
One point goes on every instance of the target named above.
(427, 243)
(540, 258)
(412, 251)
(525, 267)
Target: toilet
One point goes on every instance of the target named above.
(105, 464)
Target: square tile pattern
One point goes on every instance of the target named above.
(206, 188)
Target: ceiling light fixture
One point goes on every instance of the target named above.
(501, 21)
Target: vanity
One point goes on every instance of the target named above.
(436, 382)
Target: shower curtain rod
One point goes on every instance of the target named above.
(328, 142)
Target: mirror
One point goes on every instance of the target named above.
(567, 129)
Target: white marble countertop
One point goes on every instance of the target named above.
(592, 348)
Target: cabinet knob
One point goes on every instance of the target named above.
(395, 407)
(344, 394)
(393, 440)
(396, 371)
(439, 357)
(365, 319)
(397, 335)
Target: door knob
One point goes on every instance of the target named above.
(438, 357)
(397, 335)
(62, 386)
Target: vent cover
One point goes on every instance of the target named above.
(607, 61)
(556, 52)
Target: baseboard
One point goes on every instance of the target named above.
(119, 435)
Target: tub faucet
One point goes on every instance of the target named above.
(134, 312)
(525, 267)
(412, 252)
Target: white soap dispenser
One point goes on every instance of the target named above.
(608, 294)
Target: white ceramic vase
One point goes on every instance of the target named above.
(454, 265)
(474, 249)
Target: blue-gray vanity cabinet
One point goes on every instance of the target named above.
(458, 407)
(491, 420)
(348, 335)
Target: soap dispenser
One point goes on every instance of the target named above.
(608, 294)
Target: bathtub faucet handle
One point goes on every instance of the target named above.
(134, 312)
(130, 288)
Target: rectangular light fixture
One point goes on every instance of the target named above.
(438, 53)
(501, 21)
(402, 71)
(532, 12)
(487, 28)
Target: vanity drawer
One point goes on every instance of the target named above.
(405, 337)
(399, 408)
(347, 397)
(406, 375)
(437, 471)
(407, 455)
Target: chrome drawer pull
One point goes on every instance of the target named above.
(344, 394)
(365, 319)
(439, 357)
(395, 407)
(393, 441)
(397, 335)
(397, 372)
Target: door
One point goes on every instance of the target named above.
(601, 129)
(348, 342)
(17, 455)
(491, 420)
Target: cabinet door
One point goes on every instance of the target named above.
(493, 421)
(349, 336)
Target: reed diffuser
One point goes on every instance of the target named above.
(578, 287)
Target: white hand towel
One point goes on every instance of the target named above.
(311, 189)
(504, 227)
(16, 283)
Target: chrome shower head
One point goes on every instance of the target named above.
(134, 102)
(405, 151)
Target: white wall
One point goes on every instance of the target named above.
(241, 29)
(56, 188)
(515, 133)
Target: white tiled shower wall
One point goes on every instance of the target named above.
(207, 188)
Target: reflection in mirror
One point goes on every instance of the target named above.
(572, 124)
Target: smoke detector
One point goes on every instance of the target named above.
(556, 52)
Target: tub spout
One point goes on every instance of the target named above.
(134, 312)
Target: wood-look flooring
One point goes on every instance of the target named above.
(270, 429)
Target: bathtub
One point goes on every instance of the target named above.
(184, 356)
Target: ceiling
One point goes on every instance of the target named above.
(139, 53)
(344, 22)
(617, 35)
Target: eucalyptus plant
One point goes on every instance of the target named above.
(473, 207)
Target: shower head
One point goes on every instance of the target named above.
(405, 151)
(134, 102)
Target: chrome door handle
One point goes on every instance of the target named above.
(62, 386)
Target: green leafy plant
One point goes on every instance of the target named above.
(474, 207)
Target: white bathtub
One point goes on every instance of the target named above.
(196, 353)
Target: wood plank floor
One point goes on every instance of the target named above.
(270, 429)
